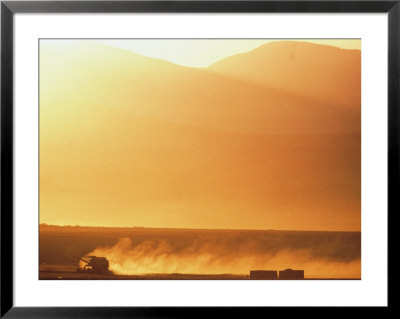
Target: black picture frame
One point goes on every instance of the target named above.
(9, 8)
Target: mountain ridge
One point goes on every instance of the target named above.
(216, 100)
(323, 71)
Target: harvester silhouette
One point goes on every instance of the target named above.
(95, 265)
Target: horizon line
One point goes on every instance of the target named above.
(191, 228)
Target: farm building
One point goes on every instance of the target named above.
(263, 274)
(291, 274)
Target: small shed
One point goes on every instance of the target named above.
(291, 274)
(263, 274)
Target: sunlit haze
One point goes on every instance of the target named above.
(200, 159)
(233, 134)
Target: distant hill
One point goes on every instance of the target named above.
(95, 75)
(324, 72)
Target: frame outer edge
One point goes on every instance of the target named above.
(393, 123)
(198, 6)
(6, 267)
(6, 220)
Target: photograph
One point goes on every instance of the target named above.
(199, 159)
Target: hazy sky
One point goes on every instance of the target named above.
(269, 139)
(195, 53)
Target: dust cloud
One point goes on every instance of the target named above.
(221, 256)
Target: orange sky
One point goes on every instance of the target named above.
(266, 139)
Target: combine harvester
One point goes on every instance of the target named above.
(95, 265)
(273, 274)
